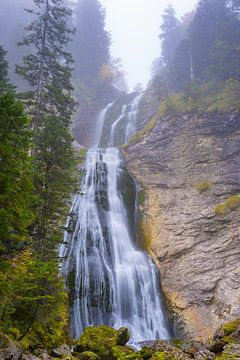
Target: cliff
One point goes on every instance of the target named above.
(189, 169)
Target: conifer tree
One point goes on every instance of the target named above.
(4, 81)
(48, 70)
(50, 106)
(170, 35)
(92, 41)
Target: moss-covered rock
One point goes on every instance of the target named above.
(88, 355)
(124, 353)
(101, 340)
(161, 349)
(162, 356)
(231, 351)
(228, 333)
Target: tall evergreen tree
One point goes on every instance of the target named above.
(207, 29)
(170, 35)
(4, 81)
(48, 69)
(92, 41)
(50, 105)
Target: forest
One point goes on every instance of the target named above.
(56, 74)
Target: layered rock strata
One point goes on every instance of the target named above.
(190, 170)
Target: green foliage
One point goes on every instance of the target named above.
(209, 97)
(36, 300)
(15, 175)
(206, 47)
(4, 82)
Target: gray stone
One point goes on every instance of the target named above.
(196, 251)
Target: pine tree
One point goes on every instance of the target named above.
(206, 30)
(50, 105)
(170, 35)
(15, 175)
(4, 81)
(92, 41)
(48, 69)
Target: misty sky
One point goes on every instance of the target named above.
(134, 25)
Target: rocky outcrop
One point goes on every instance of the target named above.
(189, 168)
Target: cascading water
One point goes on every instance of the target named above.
(113, 281)
(129, 113)
(132, 117)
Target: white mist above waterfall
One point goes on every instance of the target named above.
(112, 280)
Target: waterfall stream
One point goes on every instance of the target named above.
(113, 282)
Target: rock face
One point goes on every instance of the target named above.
(188, 167)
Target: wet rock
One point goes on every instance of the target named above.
(62, 351)
(188, 167)
(9, 349)
(123, 336)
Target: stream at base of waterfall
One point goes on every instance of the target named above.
(112, 281)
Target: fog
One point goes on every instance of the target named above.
(135, 27)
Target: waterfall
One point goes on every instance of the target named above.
(129, 116)
(113, 282)
(132, 117)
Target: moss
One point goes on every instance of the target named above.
(220, 209)
(146, 353)
(100, 340)
(124, 353)
(203, 186)
(230, 327)
(163, 356)
(88, 355)
(233, 202)
(141, 197)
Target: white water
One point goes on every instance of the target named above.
(129, 112)
(132, 117)
(100, 124)
(115, 282)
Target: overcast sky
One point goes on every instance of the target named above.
(134, 25)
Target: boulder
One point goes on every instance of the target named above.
(101, 340)
(61, 352)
